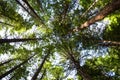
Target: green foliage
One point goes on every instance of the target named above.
(66, 47)
(113, 28)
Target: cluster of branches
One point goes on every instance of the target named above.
(24, 62)
(108, 9)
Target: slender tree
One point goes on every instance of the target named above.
(43, 74)
(29, 10)
(91, 6)
(1, 64)
(15, 67)
(32, 10)
(19, 3)
(81, 71)
(18, 40)
(40, 67)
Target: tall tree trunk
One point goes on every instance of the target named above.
(43, 75)
(108, 9)
(18, 40)
(40, 67)
(18, 2)
(32, 11)
(14, 68)
(79, 69)
(1, 64)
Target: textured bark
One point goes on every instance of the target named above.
(18, 40)
(40, 67)
(1, 64)
(108, 9)
(14, 68)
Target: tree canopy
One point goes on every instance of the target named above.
(59, 39)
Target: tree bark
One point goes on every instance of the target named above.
(14, 68)
(18, 40)
(108, 9)
(40, 67)
(1, 64)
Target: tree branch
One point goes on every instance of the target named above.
(109, 43)
(93, 4)
(6, 24)
(108, 9)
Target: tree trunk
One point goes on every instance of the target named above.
(79, 69)
(14, 68)
(32, 11)
(18, 2)
(43, 74)
(40, 67)
(108, 9)
(1, 64)
(18, 40)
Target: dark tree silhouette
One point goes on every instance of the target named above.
(15, 67)
(5, 62)
(40, 67)
(18, 40)
(42, 76)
